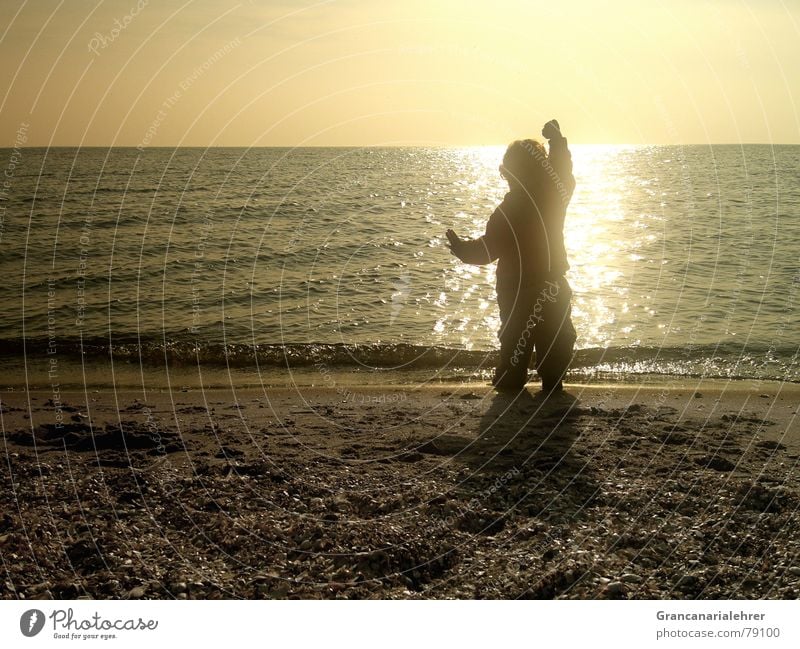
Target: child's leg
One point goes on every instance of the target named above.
(555, 335)
(516, 341)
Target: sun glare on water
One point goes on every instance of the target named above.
(596, 236)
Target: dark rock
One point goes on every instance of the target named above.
(771, 444)
(228, 451)
(615, 589)
(717, 463)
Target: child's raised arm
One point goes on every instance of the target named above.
(560, 159)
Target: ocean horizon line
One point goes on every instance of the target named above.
(390, 146)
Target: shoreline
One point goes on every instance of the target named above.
(124, 375)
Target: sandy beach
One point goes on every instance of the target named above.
(657, 490)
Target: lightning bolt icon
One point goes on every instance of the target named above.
(32, 621)
(400, 296)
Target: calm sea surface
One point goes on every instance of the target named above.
(684, 259)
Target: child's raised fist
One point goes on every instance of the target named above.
(551, 129)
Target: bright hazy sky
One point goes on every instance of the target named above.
(370, 72)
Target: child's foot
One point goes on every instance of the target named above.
(551, 387)
(506, 382)
(507, 386)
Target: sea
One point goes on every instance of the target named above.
(262, 265)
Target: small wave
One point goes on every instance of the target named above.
(726, 360)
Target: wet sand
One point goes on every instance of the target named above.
(448, 491)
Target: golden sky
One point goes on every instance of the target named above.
(369, 72)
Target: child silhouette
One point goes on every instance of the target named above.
(525, 236)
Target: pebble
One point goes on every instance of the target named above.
(280, 591)
(794, 570)
(340, 503)
(630, 578)
(137, 593)
(615, 588)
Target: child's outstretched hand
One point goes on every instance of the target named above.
(551, 129)
(453, 239)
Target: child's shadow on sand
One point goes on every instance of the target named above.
(526, 456)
